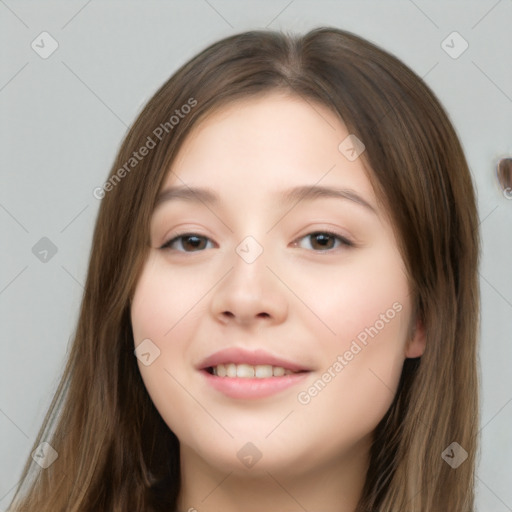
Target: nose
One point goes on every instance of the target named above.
(250, 294)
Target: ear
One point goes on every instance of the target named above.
(417, 341)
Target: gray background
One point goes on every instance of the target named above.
(62, 120)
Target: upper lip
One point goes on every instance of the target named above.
(238, 355)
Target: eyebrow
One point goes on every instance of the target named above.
(293, 195)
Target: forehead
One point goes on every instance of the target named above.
(257, 145)
(269, 119)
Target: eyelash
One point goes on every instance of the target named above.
(344, 240)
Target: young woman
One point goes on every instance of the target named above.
(281, 308)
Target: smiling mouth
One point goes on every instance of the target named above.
(249, 371)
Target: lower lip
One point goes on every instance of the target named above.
(245, 388)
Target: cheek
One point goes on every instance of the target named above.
(164, 301)
(363, 350)
(357, 384)
(168, 319)
(357, 299)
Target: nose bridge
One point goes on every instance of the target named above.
(251, 240)
(249, 291)
(250, 250)
(249, 267)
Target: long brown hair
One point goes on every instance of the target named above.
(115, 453)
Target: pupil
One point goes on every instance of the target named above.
(196, 241)
(322, 239)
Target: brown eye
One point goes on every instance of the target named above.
(189, 242)
(324, 241)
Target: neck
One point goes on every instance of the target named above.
(335, 486)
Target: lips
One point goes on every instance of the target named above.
(246, 386)
(238, 356)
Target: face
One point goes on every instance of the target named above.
(256, 281)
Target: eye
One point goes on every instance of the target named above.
(187, 241)
(324, 241)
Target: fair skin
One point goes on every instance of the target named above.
(304, 299)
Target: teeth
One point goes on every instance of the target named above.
(263, 371)
(279, 371)
(231, 370)
(247, 371)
